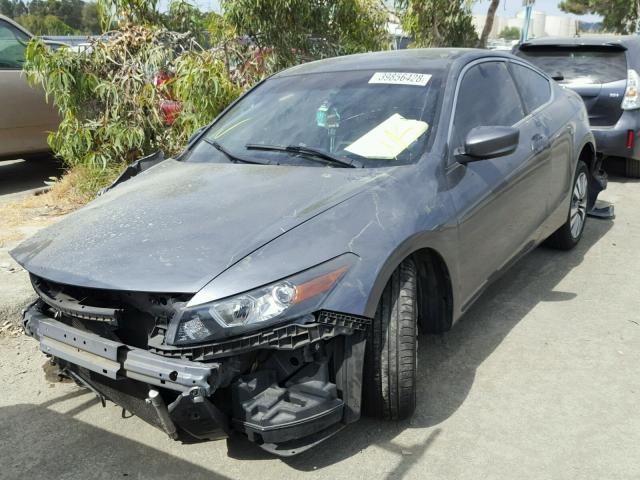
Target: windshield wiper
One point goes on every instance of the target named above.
(228, 154)
(312, 153)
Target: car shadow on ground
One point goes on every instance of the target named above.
(448, 362)
(616, 170)
(40, 443)
(23, 175)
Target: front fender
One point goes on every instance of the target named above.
(382, 225)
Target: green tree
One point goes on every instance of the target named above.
(6, 8)
(78, 15)
(488, 23)
(141, 12)
(620, 16)
(68, 11)
(47, 25)
(294, 30)
(110, 102)
(13, 8)
(510, 33)
(181, 15)
(184, 17)
(438, 23)
(90, 18)
(39, 8)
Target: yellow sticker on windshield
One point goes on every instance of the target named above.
(388, 139)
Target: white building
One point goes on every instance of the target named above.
(540, 24)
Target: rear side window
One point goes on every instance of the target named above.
(579, 65)
(487, 97)
(535, 89)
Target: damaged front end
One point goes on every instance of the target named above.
(285, 385)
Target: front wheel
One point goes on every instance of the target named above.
(389, 385)
(569, 234)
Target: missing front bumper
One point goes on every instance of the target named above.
(284, 417)
(116, 360)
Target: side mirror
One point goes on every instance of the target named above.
(489, 142)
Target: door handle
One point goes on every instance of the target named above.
(539, 143)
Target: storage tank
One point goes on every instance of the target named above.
(536, 23)
(498, 26)
(478, 23)
(560, 26)
(515, 22)
(538, 19)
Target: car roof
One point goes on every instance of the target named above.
(590, 40)
(414, 60)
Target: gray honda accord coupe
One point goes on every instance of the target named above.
(272, 279)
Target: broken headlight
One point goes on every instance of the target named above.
(292, 297)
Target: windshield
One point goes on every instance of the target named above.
(361, 118)
(580, 65)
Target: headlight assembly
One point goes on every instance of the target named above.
(292, 297)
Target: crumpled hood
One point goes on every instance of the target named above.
(178, 225)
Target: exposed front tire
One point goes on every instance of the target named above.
(569, 234)
(389, 384)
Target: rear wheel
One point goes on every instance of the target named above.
(569, 234)
(389, 385)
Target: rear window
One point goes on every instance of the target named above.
(535, 89)
(579, 65)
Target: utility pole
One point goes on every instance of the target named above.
(528, 8)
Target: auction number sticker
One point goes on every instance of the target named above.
(401, 78)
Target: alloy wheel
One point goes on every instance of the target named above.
(578, 205)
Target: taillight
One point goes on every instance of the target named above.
(629, 139)
(631, 99)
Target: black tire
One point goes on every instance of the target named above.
(632, 168)
(389, 384)
(564, 238)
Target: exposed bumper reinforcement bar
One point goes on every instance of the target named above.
(116, 360)
(283, 417)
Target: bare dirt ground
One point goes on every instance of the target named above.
(539, 380)
(27, 204)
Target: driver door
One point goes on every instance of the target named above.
(500, 202)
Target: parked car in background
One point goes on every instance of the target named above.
(275, 275)
(77, 43)
(25, 116)
(605, 72)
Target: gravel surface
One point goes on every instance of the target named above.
(19, 179)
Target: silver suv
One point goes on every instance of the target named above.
(605, 71)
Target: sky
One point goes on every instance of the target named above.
(509, 8)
